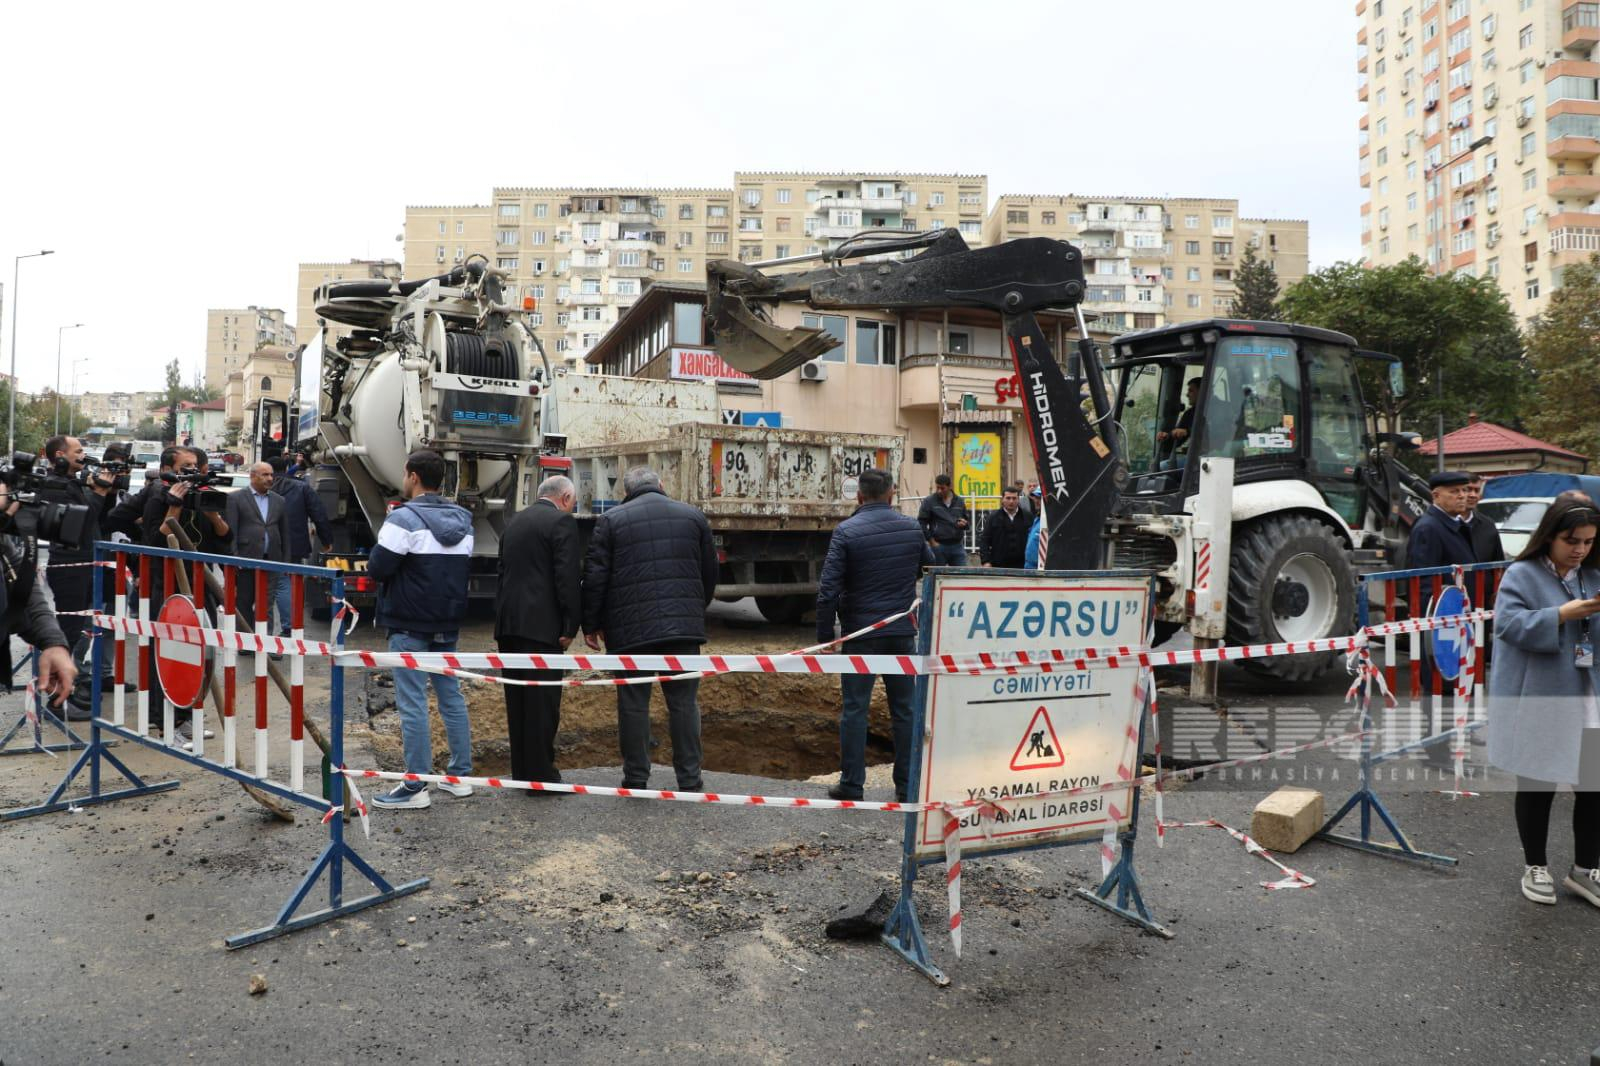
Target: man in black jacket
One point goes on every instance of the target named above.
(650, 573)
(1005, 534)
(539, 606)
(1485, 538)
(73, 585)
(302, 508)
(874, 560)
(943, 518)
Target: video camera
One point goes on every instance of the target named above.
(65, 524)
(202, 496)
(116, 469)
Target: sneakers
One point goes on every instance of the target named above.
(1585, 883)
(455, 790)
(185, 734)
(1538, 885)
(405, 798)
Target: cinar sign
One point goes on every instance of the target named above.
(976, 464)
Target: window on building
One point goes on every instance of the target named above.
(1191, 221)
(266, 386)
(1411, 232)
(536, 291)
(1191, 247)
(1221, 247)
(750, 197)
(1527, 145)
(717, 211)
(1457, 42)
(591, 259)
(1047, 218)
(563, 318)
(836, 326)
(1192, 274)
(1430, 30)
(1532, 289)
(541, 210)
(875, 342)
(970, 227)
(630, 259)
(536, 237)
(1492, 268)
(1383, 186)
(1194, 299)
(1489, 60)
(716, 238)
(461, 252)
(1568, 87)
(589, 231)
(1017, 218)
(1383, 246)
(505, 236)
(685, 266)
(750, 224)
(589, 286)
(506, 264)
(510, 210)
(1525, 37)
(589, 314)
(538, 267)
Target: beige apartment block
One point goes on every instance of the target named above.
(118, 410)
(232, 333)
(1479, 143)
(797, 213)
(1152, 261)
(268, 373)
(312, 275)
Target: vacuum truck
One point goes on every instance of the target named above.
(440, 363)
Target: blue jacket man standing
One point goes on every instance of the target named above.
(421, 564)
(301, 507)
(874, 560)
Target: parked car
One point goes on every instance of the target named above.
(1516, 502)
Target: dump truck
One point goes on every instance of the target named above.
(772, 496)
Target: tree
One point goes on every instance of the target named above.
(1255, 286)
(36, 417)
(175, 390)
(1452, 326)
(1564, 352)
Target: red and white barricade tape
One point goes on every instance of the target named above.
(1294, 878)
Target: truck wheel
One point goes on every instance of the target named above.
(784, 610)
(1290, 580)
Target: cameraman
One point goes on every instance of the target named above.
(164, 503)
(73, 585)
(27, 611)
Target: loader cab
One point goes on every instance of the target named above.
(1282, 401)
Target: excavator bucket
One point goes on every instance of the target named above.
(745, 338)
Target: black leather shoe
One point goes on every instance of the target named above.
(841, 792)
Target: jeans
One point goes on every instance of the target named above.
(855, 691)
(245, 598)
(283, 596)
(411, 699)
(954, 554)
(683, 724)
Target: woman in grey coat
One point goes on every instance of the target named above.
(1544, 721)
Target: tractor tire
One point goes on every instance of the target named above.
(784, 610)
(1290, 580)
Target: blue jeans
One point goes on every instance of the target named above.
(855, 691)
(411, 699)
(950, 554)
(283, 595)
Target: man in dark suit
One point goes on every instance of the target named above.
(260, 526)
(540, 604)
(1440, 538)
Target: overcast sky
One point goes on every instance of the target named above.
(190, 159)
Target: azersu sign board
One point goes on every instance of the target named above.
(1031, 733)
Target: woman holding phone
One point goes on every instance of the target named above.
(1544, 720)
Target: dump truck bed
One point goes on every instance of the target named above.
(743, 477)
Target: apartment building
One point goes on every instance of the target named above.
(1153, 261)
(232, 333)
(311, 275)
(1479, 142)
(584, 254)
(795, 213)
(118, 409)
(269, 373)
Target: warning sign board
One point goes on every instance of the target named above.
(1030, 733)
(180, 666)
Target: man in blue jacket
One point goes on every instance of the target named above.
(301, 508)
(874, 561)
(421, 565)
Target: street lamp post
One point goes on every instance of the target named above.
(1439, 376)
(59, 332)
(11, 421)
(72, 393)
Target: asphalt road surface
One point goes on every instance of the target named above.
(595, 931)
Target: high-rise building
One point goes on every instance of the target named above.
(1480, 137)
(1150, 261)
(793, 213)
(232, 333)
(118, 410)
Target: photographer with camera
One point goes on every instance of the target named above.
(71, 482)
(25, 608)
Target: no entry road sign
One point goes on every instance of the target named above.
(180, 666)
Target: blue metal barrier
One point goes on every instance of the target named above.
(1481, 581)
(97, 755)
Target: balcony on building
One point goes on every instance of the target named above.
(875, 204)
(1571, 133)
(588, 299)
(1574, 237)
(1580, 25)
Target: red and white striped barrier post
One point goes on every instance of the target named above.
(142, 712)
(230, 662)
(263, 608)
(169, 725)
(119, 666)
(197, 723)
(297, 685)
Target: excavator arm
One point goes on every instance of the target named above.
(1080, 471)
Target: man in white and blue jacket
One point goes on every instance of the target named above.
(421, 565)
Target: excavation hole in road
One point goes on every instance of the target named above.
(767, 725)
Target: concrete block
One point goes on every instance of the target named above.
(1287, 818)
